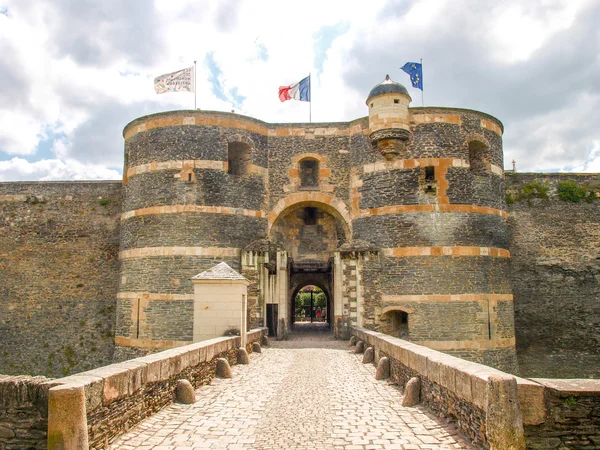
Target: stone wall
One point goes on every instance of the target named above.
(556, 278)
(453, 388)
(552, 413)
(573, 416)
(23, 412)
(59, 267)
(119, 396)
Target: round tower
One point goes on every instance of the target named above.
(389, 121)
(194, 196)
(431, 198)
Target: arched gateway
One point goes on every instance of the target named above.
(304, 237)
(399, 217)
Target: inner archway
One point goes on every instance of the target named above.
(309, 232)
(310, 305)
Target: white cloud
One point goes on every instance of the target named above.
(81, 70)
(54, 169)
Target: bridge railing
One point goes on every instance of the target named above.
(495, 409)
(91, 409)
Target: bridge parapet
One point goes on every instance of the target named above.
(116, 397)
(542, 412)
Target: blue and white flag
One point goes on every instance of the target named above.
(415, 71)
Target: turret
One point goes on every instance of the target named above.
(389, 122)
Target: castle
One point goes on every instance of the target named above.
(399, 217)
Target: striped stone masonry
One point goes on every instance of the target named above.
(190, 164)
(446, 251)
(150, 252)
(177, 209)
(430, 208)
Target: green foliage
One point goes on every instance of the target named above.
(570, 401)
(535, 189)
(103, 202)
(570, 191)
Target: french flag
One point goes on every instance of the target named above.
(297, 91)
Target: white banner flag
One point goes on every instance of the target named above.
(182, 80)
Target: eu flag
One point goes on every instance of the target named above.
(415, 71)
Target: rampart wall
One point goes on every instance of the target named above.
(495, 409)
(555, 247)
(59, 245)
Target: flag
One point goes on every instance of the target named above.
(415, 70)
(182, 80)
(297, 91)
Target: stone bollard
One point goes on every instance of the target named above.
(383, 368)
(503, 420)
(352, 341)
(412, 392)
(242, 356)
(360, 347)
(184, 392)
(223, 368)
(369, 355)
(265, 341)
(67, 419)
(256, 348)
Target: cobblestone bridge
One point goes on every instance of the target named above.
(310, 392)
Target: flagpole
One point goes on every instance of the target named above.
(422, 77)
(195, 86)
(310, 96)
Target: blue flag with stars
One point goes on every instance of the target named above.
(415, 71)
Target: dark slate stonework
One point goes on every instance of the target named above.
(58, 275)
(283, 150)
(556, 280)
(157, 274)
(211, 188)
(573, 422)
(481, 190)
(394, 187)
(221, 189)
(189, 143)
(433, 229)
(436, 275)
(169, 320)
(191, 230)
(437, 140)
(23, 412)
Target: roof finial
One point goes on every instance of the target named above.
(387, 78)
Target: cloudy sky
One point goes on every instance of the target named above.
(73, 73)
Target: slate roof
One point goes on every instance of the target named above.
(387, 86)
(221, 271)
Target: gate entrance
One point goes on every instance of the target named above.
(310, 305)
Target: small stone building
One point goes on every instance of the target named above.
(399, 217)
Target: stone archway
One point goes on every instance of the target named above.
(308, 230)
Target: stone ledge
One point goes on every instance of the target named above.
(469, 381)
(126, 384)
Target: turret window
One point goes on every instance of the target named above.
(309, 173)
(238, 158)
(479, 158)
(429, 173)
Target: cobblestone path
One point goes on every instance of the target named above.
(307, 393)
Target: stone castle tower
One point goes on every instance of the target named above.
(399, 217)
